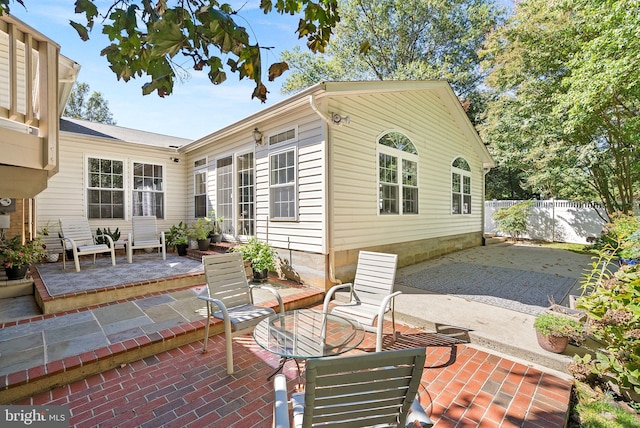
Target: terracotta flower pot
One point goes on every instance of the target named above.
(552, 343)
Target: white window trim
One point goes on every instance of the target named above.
(400, 155)
(164, 183)
(280, 131)
(296, 165)
(125, 185)
(462, 173)
(236, 196)
(201, 170)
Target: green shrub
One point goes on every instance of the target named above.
(621, 236)
(513, 220)
(612, 304)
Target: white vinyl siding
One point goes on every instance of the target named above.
(354, 190)
(66, 194)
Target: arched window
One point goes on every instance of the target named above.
(460, 187)
(397, 174)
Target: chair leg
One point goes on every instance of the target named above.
(228, 346)
(76, 260)
(206, 329)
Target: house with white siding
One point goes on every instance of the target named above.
(392, 166)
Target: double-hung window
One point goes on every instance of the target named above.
(105, 190)
(200, 188)
(148, 190)
(397, 174)
(283, 185)
(200, 194)
(460, 187)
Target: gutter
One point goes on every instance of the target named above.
(332, 276)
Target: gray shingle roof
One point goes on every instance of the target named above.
(85, 127)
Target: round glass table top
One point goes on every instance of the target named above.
(308, 333)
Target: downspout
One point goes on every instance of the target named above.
(332, 275)
(484, 185)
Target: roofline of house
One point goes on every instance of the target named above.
(323, 89)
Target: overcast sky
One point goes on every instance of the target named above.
(196, 107)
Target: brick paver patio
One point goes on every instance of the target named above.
(462, 387)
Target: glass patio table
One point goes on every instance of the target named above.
(307, 333)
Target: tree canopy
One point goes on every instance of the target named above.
(147, 35)
(566, 99)
(402, 39)
(92, 107)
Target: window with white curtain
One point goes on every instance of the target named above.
(148, 190)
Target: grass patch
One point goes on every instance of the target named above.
(593, 409)
(576, 248)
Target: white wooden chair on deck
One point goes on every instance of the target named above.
(229, 298)
(371, 293)
(145, 235)
(364, 390)
(77, 237)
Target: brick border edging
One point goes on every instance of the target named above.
(25, 383)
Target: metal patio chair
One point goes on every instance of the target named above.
(145, 235)
(229, 298)
(76, 236)
(374, 389)
(371, 293)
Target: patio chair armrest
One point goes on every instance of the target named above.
(331, 292)
(107, 237)
(71, 242)
(417, 417)
(220, 306)
(272, 290)
(281, 402)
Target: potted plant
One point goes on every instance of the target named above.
(200, 230)
(17, 257)
(554, 330)
(216, 227)
(178, 237)
(263, 258)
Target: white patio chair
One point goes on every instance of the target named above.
(230, 293)
(145, 235)
(373, 389)
(77, 237)
(371, 293)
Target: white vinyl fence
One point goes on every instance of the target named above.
(555, 220)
